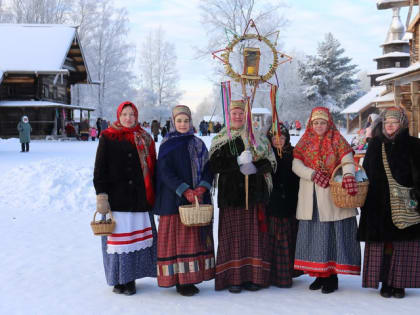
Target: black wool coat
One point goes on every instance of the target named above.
(375, 220)
(231, 182)
(118, 173)
(284, 197)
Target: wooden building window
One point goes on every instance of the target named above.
(45, 90)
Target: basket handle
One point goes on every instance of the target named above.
(197, 205)
(110, 214)
(345, 163)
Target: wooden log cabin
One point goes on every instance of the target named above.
(406, 83)
(38, 66)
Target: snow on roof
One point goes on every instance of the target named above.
(41, 104)
(389, 97)
(394, 54)
(364, 101)
(404, 40)
(34, 47)
(384, 71)
(386, 4)
(261, 110)
(403, 71)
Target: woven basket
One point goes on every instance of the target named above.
(196, 215)
(340, 196)
(102, 228)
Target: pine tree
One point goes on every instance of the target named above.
(330, 77)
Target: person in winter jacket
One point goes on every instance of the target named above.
(25, 130)
(185, 254)
(392, 254)
(243, 260)
(124, 183)
(155, 128)
(93, 133)
(281, 211)
(326, 243)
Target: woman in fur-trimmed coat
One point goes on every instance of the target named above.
(389, 250)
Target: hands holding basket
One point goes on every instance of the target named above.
(102, 204)
(198, 191)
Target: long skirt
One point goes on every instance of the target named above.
(243, 251)
(403, 267)
(282, 233)
(327, 248)
(185, 254)
(126, 267)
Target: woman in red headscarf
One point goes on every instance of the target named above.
(123, 180)
(326, 243)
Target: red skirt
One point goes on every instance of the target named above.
(243, 251)
(185, 255)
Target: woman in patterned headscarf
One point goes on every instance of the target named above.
(123, 180)
(242, 254)
(392, 254)
(326, 242)
(185, 254)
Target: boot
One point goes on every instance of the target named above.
(398, 293)
(317, 284)
(235, 289)
(118, 288)
(27, 146)
(251, 286)
(130, 288)
(386, 291)
(23, 147)
(185, 290)
(330, 284)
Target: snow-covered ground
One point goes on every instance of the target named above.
(51, 263)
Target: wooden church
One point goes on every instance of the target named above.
(39, 63)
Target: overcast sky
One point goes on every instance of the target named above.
(357, 24)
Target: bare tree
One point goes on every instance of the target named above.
(158, 73)
(41, 11)
(5, 15)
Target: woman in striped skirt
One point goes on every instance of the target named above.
(243, 259)
(123, 180)
(326, 242)
(392, 254)
(185, 254)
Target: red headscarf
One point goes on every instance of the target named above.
(144, 144)
(321, 152)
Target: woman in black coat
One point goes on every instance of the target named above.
(185, 254)
(281, 211)
(392, 254)
(123, 180)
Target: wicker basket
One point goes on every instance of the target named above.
(103, 228)
(340, 196)
(196, 215)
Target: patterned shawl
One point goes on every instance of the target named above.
(144, 144)
(322, 152)
(262, 150)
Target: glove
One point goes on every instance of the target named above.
(321, 179)
(102, 204)
(245, 157)
(248, 168)
(189, 195)
(350, 184)
(199, 192)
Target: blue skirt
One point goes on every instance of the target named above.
(126, 267)
(326, 248)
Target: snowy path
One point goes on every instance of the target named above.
(52, 264)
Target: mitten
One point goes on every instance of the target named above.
(245, 157)
(189, 195)
(321, 179)
(199, 191)
(248, 168)
(350, 184)
(102, 204)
